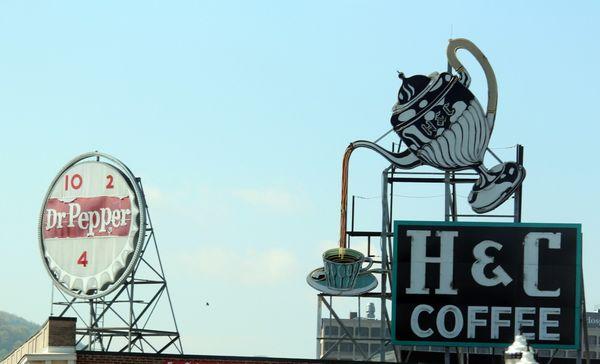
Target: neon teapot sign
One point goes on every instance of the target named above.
(444, 126)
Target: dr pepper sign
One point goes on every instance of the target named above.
(90, 225)
(479, 284)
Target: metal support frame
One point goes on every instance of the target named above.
(390, 177)
(122, 320)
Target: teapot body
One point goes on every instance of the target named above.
(441, 121)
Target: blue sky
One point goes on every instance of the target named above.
(236, 115)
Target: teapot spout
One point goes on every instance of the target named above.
(403, 160)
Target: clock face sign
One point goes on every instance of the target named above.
(90, 228)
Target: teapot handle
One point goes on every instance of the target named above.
(456, 44)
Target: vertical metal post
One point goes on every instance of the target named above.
(52, 301)
(391, 200)
(359, 319)
(447, 202)
(384, 255)
(518, 197)
(447, 212)
(319, 327)
(389, 261)
(330, 318)
(90, 328)
(352, 218)
(447, 209)
(391, 203)
(130, 314)
(454, 207)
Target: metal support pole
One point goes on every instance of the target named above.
(359, 324)
(384, 255)
(447, 202)
(52, 301)
(518, 197)
(450, 201)
(130, 315)
(319, 327)
(90, 328)
(454, 207)
(352, 216)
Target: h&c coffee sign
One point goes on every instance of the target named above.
(479, 284)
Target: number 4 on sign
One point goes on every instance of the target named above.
(83, 259)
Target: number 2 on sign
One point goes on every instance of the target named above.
(109, 184)
(83, 259)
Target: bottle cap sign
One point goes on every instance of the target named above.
(90, 234)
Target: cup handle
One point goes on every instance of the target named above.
(366, 269)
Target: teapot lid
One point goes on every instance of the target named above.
(411, 87)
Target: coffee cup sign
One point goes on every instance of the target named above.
(342, 266)
(91, 223)
(469, 284)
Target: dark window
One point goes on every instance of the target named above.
(364, 347)
(376, 332)
(346, 347)
(375, 348)
(362, 331)
(328, 345)
(593, 340)
(592, 355)
(331, 330)
(342, 332)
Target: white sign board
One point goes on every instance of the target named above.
(90, 227)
